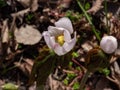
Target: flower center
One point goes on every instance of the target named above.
(60, 39)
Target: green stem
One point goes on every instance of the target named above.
(90, 22)
(46, 58)
(83, 81)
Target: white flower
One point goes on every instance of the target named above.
(58, 38)
(109, 44)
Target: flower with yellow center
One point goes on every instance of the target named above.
(58, 38)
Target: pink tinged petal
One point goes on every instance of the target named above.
(59, 50)
(54, 31)
(65, 23)
(67, 36)
(70, 45)
(52, 42)
(47, 39)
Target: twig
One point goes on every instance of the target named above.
(73, 81)
(68, 71)
(76, 62)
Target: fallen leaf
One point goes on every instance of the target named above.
(97, 5)
(25, 3)
(34, 5)
(27, 35)
(20, 13)
(86, 46)
(26, 66)
(5, 32)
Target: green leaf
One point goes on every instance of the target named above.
(78, 68)
(73, 15)
(29, 17)
(70, 64)
(41, 69)
(44, 69)
(71, 75)
(75, 54)
(65, 81)
(76, 86)
(9, 86)
(87, 6)
(105, 71)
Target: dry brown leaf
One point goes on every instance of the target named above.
(115, 74)
(26, 67)
(65, 3)
(86, 46)
(97, 5)
(34, 5)
(25, 3)
(29, 62)
(27, 35)
(57, 85)
(117, 52)
(20, 13)
(2, 82)
(22, 67)
(5, 32)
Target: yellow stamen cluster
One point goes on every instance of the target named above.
(60, 39)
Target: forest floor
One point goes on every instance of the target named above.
(22, 23)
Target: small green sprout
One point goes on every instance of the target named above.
(65, 81)
(29, 17)
(87, 6)
(76, 86)
(105, 71)
(78, 68)
(69, 78)
(75, 54)
(71, 75)
(73, 15)
(19, 46)
(9, 86)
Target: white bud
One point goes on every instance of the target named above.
(108, 44)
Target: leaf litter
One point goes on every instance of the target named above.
(21, 41)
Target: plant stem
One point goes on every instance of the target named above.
(83, 81)
(88, 18)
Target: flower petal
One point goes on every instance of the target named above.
(52, 42)
(54, 31)
(47, 38)
(59, 50)
(67, 36)
(69, 45)
(65, 23)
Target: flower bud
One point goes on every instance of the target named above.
(108, 44)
